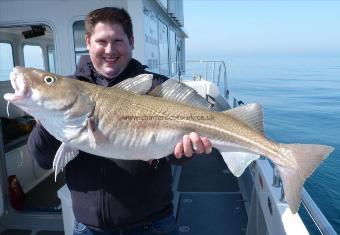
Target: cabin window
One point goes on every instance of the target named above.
(180, 55)
(173, 53)
(30, 45)
(51, 59)
(79, 40)
(151, 40)
(33, 57)
(163, 47)
(6, 60)
(164, 3)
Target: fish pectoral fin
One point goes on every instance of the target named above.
(237, 162)
(64, 155)
(249, 114)
(180, 92)
(90, 132)
(140, 84)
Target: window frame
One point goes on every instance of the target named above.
(33, 44)
(76, 53)
(13, 61)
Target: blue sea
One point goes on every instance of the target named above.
(301, 100)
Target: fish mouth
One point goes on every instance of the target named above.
(20, 86)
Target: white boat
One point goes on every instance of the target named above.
(208, 200)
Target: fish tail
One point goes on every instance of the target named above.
(306, 157)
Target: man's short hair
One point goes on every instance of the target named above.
(110, 15)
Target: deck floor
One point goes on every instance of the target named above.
(44, 196)
(210, 199)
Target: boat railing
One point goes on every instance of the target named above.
(317, 216)
(312, 209)
(314, 212)
(210, 70)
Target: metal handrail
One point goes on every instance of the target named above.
(312, 209)
(221, 72)
(315, 213)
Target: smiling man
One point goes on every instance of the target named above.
(110, 48)
(116, 196)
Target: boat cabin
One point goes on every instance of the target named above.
(50, 35)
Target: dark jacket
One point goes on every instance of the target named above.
(110, 194)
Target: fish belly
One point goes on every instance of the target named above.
(137, 144)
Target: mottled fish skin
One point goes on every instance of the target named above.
(115, 123)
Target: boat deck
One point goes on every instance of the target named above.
(41, 199)
(49, 201)
(210, 201)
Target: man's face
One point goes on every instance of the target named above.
(110, 49)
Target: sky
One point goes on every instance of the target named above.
(281, 27)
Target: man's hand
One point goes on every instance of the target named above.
(192, 143)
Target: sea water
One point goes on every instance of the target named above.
(301, 100)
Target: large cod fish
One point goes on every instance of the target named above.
(122, 122)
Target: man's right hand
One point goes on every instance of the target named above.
(192, 143)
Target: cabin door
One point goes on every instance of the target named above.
(2, 196)
(29, 46)
(2, 176)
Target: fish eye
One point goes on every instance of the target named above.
(49, 80)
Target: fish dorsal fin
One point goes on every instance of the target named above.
(250, 114)
(179, 92)
(140, 84)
